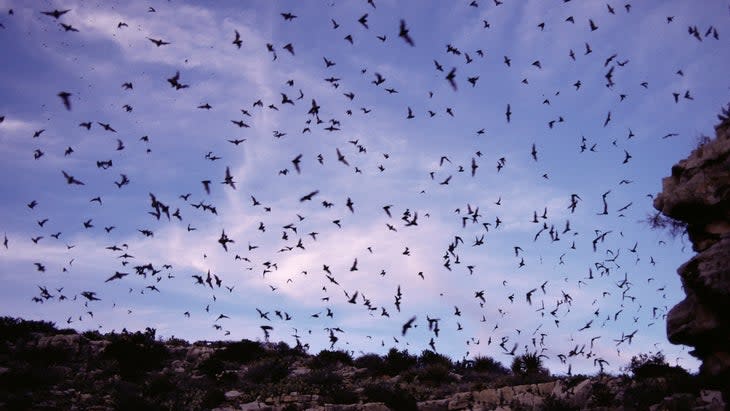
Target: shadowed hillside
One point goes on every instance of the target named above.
(42, 367)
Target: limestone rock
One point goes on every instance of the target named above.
(698, 194)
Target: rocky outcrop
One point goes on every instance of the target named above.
(45, 368)
(698, 195)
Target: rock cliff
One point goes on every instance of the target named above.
(698, 194)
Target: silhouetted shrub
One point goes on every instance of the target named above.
(394, 397)
(341, 394)
(429, 357)
(553, 403)
(13, 328)
(159, 386)
(211, 366)
(283, 349)
(488, 365)
(213, 398)
(176, 342)
(327, 358)
(371, 362)
(643, 394)
(435, 374)
(43, 357)
(26, 377)
(268, 370)
(242, 352)
(93, 335)
(136, 353)
(321, 378)
(396, 362)
(128, 396)
(653, 366)
(601, 395)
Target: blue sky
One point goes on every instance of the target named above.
(391, 160)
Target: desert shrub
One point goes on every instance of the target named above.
(159, 386)
(341, 394)
(371, 362)
(394, 397)
(643, 394)
(12, 329)
(128, 396)
(176, 342)
(601, 395)
(327, 358)
(321, 378)
(242, 352)
(488, 365)
(211, 366)
(26, 378)
(435, 374)
(136, 353)
(283, 349)
(43, 357)
(396, 362)
(429, 357)
(654, 366)
(553, 403)
(213, 398)
(93, 335)
(268, 370)
(574, 380)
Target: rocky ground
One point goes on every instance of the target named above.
(45, 368)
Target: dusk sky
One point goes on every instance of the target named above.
(553, 103)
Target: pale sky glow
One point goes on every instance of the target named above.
(391, 160)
